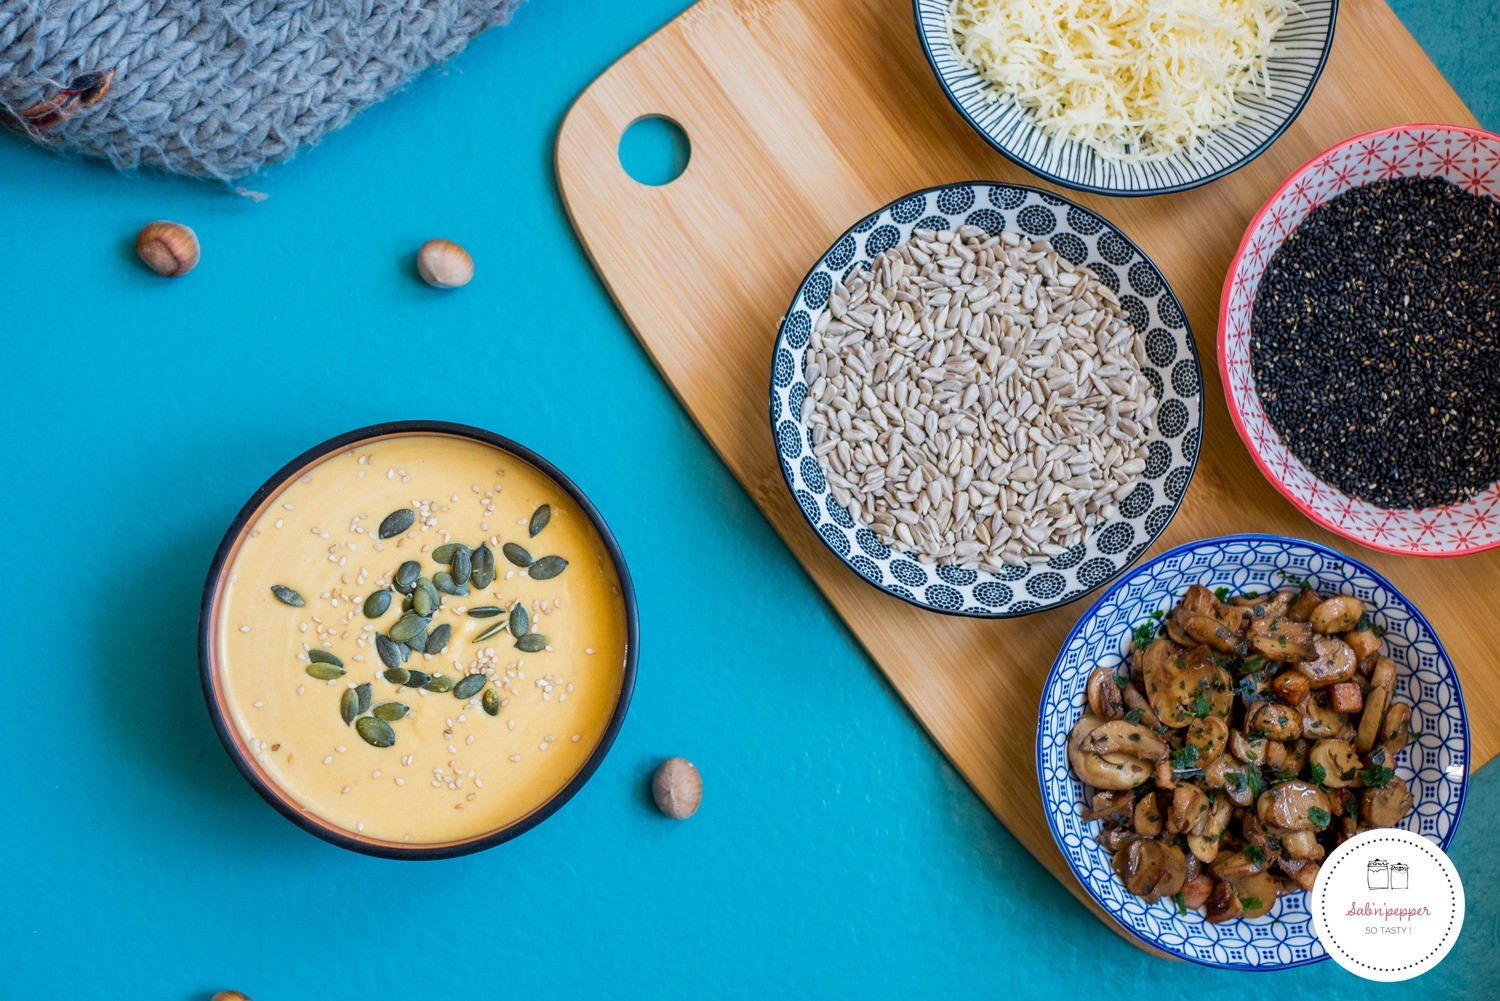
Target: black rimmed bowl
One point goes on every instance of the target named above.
(217, 702)
(1304, 42)
(1084, 238)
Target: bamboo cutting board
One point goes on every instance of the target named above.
(804, 115)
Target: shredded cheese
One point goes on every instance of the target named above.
(1134, 80)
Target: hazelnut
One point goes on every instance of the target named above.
(230, 996)
(168, 248)
(677, 788)
(444, 264)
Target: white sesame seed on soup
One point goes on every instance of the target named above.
(498, 729)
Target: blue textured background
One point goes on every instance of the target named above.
(836, 852)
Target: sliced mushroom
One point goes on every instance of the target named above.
(1386, 806)
(1302, 845)
(1339, 763)
(1318, 720)
(1251, 750)
(1209, 630)
(1227, 773)
(1204, 838)
(1196, 890)
(1282, 640)
(1257, 895)
(1111, 806)
(1338, 614)
(1189, 806)
(1113, 754)
(1147, 817)
(1209, 736)
(1114, 839)
(1334, 662)
(1104, 695)
(1305, 875)
(1287, 806)
(1134, 699)
(1140, 865)
(1301, 608)
(1174, 873)
(1177, 684)
(1273, 721)
(1377, 699)
(1223, 904)
(1395, 731)
(1235, 866)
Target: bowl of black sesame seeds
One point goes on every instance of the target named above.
(1359, 340)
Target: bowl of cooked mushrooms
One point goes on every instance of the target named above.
(1224, 717)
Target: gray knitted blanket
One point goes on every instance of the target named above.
(214, 88)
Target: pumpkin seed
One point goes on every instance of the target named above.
(406, 576)
(439, 683)
(439, 638)
(376, 732)
(539, 519)
(491, 702)
(396, 675)
(397, 522)
(446, 583)
(520, 620)
(408, 626)
(320, 656)
(325, 672)
(446, 552)
(532, 643)
(469, 686)
(391, 711)
(498, 627)
(418, 679)
(482, 572)
(377, 604)
(418, 643)
(348, 706)
(287, 596)
(462, 562)
(547, 567)
(391, 654)
(485, 612)
(362, 695)
(516, 554)
(424, 597)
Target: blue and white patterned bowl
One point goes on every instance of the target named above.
(1304, 41)
(1171, 367)
(1435, 765)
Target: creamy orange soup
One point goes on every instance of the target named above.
(452, 770)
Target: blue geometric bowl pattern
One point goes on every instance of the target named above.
(1435, 765)
(1171, 367)
(1303, 42)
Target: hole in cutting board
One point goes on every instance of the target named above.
(654, 150)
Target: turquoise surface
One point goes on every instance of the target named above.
(836, 853)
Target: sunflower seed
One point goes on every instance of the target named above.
(375, 731)
(287, 596)
(397, 522)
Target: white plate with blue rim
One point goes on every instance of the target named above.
(1435, 766)
(1302, 47)
(1172, 368)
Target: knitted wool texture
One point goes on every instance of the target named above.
(216, 88)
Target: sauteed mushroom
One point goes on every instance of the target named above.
(1252, 735)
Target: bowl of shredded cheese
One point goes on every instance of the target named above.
(1128, 97)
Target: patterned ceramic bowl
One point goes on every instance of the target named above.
(1467, 157)
(1084, 238)
(1435, 765)
(1304, 42)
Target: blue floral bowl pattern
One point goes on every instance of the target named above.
(1435, 765)
(1304, 42)
(1172, 367)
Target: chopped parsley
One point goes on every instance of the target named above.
(1251, 903)
(1201, 707)
(1254, 854)
(1185, 758)
(1181, 903)
(1318, 816)
(1277, 775)
(1377, 756)
(1353, 807)
(1144, 634)
(1158, 615)
(1253, 779)
(1378, 777)
(1234, 780)
(1122, 682)
(1252, 664)
(1365, 622)
(1222, 593)
(1134, 716)
(1317, 773)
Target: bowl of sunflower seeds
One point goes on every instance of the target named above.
(986, 399)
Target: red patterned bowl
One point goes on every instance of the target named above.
(1469, 158)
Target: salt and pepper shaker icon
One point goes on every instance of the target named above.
(1378, 874)
(1400, 876)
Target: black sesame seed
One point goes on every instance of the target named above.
(1375, 342)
